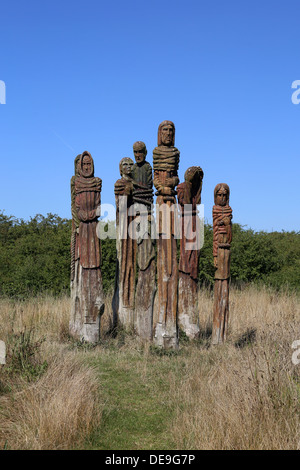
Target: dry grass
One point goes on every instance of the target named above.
(244, 394)
(56, 412)
(241, 395)
(61, 408)
(47, 316)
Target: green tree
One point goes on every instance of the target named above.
(35, 256)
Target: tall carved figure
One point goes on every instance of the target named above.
(222, 236)
(123, 300)
(86, 281)
(143, 199)
(165, 166)
(189, 195)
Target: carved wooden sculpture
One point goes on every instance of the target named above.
(165, 166)
(222, 236)
(189, 195)
(123, 301)
(86, 281)
(143, 199)
(75, 221)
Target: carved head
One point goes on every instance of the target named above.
(140, 152)
(221, 194)
(166, 134)
(76, 165)
(126, 166)
(193, 174)
(86, 165)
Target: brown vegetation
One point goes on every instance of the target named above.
(59, 408)
(244, 394)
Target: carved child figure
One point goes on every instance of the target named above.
(123, 301)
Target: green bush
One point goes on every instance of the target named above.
(35, 257)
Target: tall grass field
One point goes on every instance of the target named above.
(58, 393)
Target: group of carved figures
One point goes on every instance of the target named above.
(154, 293)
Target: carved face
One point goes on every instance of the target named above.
(126, 167)
(87, 166)
(139, 152)
(222, 197)
(167, 135)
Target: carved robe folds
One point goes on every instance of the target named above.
(222, 236)
(165, 166)
(123, 301)
(145, 289)
(86, 287)
(189, 195)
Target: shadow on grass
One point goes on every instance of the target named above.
(161, 352)
(246, 339)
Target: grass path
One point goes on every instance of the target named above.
(138, 408)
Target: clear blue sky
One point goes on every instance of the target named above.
(96, 75)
